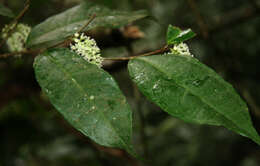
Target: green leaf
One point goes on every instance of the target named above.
(4, 11)
(175, 35)
(87, 97)
(191, 91)
(57, 28)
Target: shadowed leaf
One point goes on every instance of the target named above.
(57, 28)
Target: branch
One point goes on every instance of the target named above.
(21, 14)
(87, 24)
(20, 52)
(162, 50)
(37, 51)
(68, 40)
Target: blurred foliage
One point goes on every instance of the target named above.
(34, 134)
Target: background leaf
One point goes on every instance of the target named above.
(189, 90)
(87, 97)
(57, 28)
(4, 11)
(175, 35)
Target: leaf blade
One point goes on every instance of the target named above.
(58, 27)
(172, 34)
(4, 11)
(191, 91)
(175, 35)
(86, 96)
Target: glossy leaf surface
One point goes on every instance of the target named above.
(87, 97)
(175, 35)
(57, 28)
(191, 91)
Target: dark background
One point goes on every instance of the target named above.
(32, 133)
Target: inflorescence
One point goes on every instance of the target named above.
(87, 48)
(181, 49)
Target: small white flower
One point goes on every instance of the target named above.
(87, 48)
(181, 49)
(17, 39)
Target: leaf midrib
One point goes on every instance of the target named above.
(184, 87)
(83, 91)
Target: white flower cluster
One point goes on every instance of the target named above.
(18, 37)
(87, 48)
(181, 49)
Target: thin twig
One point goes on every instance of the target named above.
(15, 21)
(68, 40)
(87, 24)
(27, 2)
(21, 14)
(162, 50)
(20, 52)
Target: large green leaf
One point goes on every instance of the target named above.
(87, 97)
(189, 90)
(5, 11)
(57, 28)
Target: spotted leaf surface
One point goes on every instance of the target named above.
(57, 28)
(87, 97)
(191, 91)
